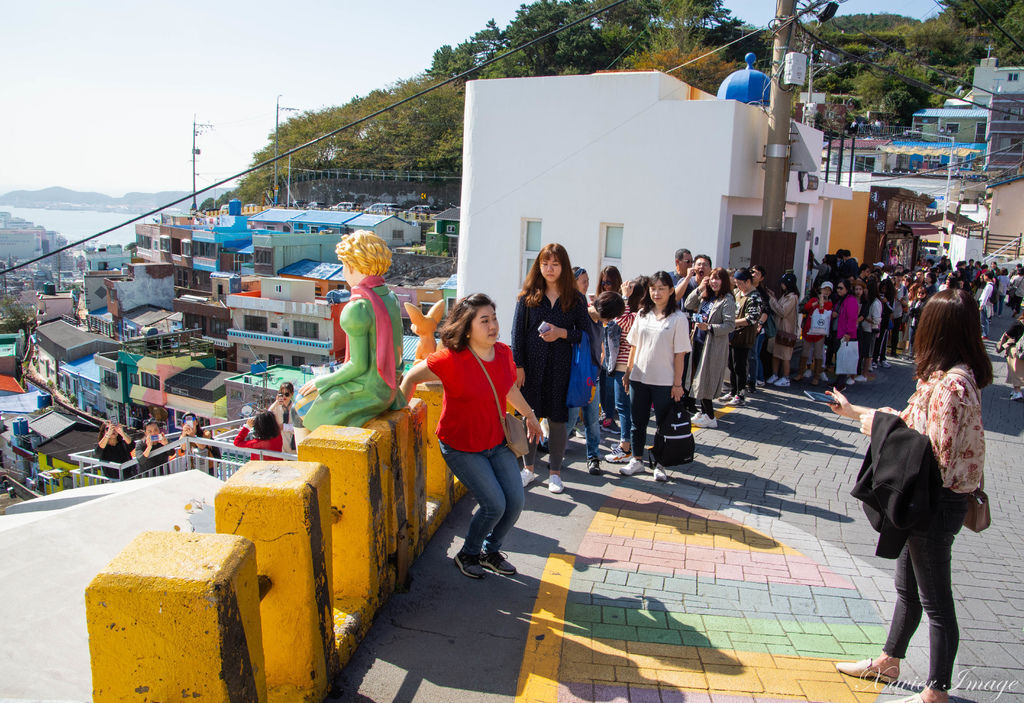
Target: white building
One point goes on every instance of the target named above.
(110, 257)
(285, 323)
(623, 169)
(990, 77)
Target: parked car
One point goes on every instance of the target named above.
(420, 210)
(382, 208)
(314, 205)
(344, 207)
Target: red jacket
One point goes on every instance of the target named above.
(270, 445)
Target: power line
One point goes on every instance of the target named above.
(724, 46)
(895, 74)
(998, 26)
(328, 135)
(938, 70)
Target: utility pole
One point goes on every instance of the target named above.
(197, 129)
(776, 175)
(277, 124)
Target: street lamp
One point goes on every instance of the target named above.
(277, 121)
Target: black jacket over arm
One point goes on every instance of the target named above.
(898, 483)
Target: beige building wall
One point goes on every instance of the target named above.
(1006, 215)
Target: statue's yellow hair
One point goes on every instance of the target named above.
(365, 251)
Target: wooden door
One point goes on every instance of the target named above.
(774, 251)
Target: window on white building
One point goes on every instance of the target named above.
(531, 244)
(397, 235)
(611, 245)
(274, 359)
(1012, 76)
(309, 330)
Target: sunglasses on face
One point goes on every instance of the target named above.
(607, 283)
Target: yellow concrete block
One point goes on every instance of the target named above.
(284, 508)
(416, 480)
(177, 616)
(439, 478)
(358, 534)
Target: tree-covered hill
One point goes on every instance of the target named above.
(426, 134)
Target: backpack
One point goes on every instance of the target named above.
(583, 373)
(673, 442)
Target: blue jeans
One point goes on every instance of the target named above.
(756, 368)
(592, 426)
(622, 407)
(984, 322)
(492, 476)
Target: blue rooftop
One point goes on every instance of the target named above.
(275, 214)
(952, 112)
(365, 220)
(85, 368)
(308, 268)
(324, 217)
(20, 402)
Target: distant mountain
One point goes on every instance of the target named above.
(64, 198)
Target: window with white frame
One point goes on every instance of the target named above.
(611, 245)
(531, 244)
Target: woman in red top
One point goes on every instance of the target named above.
(470, 431)
(266, 435)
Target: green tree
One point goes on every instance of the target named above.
(208, 204)
(15, 316)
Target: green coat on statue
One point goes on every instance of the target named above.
(354, 394)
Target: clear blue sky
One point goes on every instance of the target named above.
(101, 96)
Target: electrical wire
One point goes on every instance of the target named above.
(895, 74)
(998, 26)
(937, 169)
(725, 46)
(283, 155)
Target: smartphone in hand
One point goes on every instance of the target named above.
(820, 397)
(543, 327)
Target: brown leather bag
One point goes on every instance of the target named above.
(785, 339)
(979, 513)
(514, 427)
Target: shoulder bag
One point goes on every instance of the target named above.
(979, 513)
(513, 427)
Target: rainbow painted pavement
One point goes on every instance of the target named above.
(669, 602)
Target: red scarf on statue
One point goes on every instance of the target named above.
(382, 320)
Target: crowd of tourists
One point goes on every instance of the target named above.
(701, 334)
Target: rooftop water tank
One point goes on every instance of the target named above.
(44, 400)
(19, 426)
(747, 85)
(49, 289)
(235, 207)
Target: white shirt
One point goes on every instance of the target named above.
(655, 344)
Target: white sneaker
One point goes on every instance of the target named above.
(555, 483)
(527, 476)
(860, 378)
(759, 384)
(849, 381)
(702, 420)
(782, 383)
(808, 374)
(824, 377)
(772, 380)
(635, 466)
(724, 398)
(659, 474)
(1016, 395)
(735, 400)
(885, 365)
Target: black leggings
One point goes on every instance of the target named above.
(738, 368)
(641, 397)
(924, 583)
(558, 437)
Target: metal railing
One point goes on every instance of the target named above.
(1010, 250)
(217, 456)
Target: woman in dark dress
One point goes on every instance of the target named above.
(550, 317)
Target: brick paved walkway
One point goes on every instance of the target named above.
(741, 580)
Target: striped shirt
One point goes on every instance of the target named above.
(625, 322)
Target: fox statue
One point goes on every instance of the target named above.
(424, 325)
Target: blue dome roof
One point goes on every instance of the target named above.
(747, 85)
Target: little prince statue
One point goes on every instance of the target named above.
(367, 383)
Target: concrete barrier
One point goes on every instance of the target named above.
(284, 508)
(443, 491)
(177, 616)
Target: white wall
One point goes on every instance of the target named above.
(581, 152)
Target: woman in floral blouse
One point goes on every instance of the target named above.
(952, 367)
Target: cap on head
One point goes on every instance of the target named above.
(742, 275)
(826, 284)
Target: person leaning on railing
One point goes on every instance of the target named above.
(113, 446)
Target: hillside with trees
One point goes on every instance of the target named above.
(426, 134)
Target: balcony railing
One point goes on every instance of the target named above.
(277, 340)
(318, 308)
(219, 457)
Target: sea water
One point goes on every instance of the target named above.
(78, 224)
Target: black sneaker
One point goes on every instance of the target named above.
(594, 466)
(469, 564)
(496, 562)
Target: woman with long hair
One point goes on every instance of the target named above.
(474, 367)
(113, 446)
(551, 315)
(785, 310)
(659, 339)
(266, 435)
(635, 292)
(952, 368)
(868, 322)
(887, 297)
(846, 320)
(715, 319)
(759, 356)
